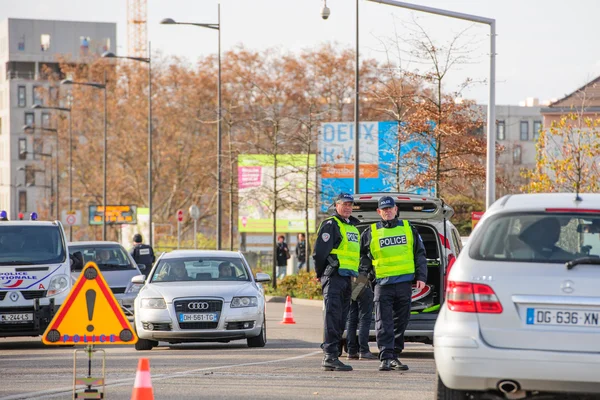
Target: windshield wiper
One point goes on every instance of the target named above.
(16, 263)
(583, 260)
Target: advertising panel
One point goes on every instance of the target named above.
(115, 215)
(385, 164)
(256, 179)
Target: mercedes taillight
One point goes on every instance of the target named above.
(472, 297)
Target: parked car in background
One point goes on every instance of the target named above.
(522, 310)
(115, 263)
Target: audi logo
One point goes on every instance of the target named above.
(198, 306)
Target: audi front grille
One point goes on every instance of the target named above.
(183, 306)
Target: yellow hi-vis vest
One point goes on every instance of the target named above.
(392, 250)
(348, 252)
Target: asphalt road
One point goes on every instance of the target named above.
(288, 367)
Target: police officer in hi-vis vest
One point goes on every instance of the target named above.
(394, 250)
(337, 255)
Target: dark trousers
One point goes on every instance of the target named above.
(336, 297)
(392, 311)
(360, 317)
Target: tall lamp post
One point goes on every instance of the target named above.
(30, 128)
(217, 26)
(103, 87)
(68, 110)
(147, 60)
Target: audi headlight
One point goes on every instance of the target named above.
(247, 301)
(58, 284)
(153, 303)
(134, 288)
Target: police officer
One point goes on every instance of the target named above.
(394, 251)
(336, 256)
(142, 253)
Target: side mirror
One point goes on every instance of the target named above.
(76, 261)
(261, 277)
(140, 279)
(141, 267)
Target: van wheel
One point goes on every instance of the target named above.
(261, 339)
(145, 344)
(445, 393)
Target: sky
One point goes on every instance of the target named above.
(544, 48)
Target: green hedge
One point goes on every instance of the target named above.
(301, 286)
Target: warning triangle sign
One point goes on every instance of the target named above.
(90, 314)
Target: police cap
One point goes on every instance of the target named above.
(385, 202)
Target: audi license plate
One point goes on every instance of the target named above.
(205, 317)
(546, 316)
(15, 318)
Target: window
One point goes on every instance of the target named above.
(45, 120)
(537, 127)
(22, 149)
(53, 96)
(500, 130)
(108, 258)
(524, 130)
(517, 155)
(22, 96)
(38, 148)
(29, 176)
(38, 97)
(30, 119)
(203, 269)
(45, 42)
(22, 201)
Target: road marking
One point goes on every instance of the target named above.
(60, 392)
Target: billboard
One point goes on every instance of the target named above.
(385, 163)
(256, 178)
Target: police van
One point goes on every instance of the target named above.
(431, 217)
(34, 275)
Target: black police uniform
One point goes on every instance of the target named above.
(392, 295)
(337, 289)
(143, 254)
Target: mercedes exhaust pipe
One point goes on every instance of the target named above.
(508, 387)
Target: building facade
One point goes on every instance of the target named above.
(30, 51)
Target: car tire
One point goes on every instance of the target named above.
(145, 344)
(445, 393)
(261, 339)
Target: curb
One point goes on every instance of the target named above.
(301, 302)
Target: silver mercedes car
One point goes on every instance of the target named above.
(200, 296)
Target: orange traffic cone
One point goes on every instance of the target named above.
(142, 388)
(287, 313)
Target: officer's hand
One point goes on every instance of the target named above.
(420, 284)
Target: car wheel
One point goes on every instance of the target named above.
(261, 339)
(445, 393)
(145, 344)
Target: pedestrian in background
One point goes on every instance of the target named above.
(393, 250)
(143, 254)
(301, 251)
(283, 254)
(336, 256)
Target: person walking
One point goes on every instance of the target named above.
(283, 254)
(142, 254)
(336, 257)
(301, 251)
(393, 250)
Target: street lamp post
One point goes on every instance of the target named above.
(65, 109)
(27, 128)
(490, 182)
(103, 87)
(147, 60)
(217, 26)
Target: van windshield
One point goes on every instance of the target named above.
(108, 258)
(31, 245)
(538, 237)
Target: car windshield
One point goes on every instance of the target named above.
(538, 237)
(201, 269)
(31, 245)
(108, 258)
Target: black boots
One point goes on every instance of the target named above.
(331, 363)
(392, 364)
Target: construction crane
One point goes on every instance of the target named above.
(137, 34)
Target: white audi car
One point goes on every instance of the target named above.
(200, 296)
(522, 312)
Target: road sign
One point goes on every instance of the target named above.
(90, 315)
(71, 217)
(179, 215)
(194, 212)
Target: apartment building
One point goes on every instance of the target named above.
(29, 53)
